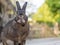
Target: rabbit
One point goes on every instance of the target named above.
(17, 29)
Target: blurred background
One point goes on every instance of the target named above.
(43, 16)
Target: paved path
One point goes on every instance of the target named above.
(43, 41)
(46, 41)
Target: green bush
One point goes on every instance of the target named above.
(40, 22)
(50, 24)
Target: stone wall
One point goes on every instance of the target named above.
(41, 31)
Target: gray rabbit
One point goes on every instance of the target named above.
(17, 29)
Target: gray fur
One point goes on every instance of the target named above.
(1, 27)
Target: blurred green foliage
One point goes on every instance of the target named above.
(58, 20)
(48, 12)
(54, 5)
(50, 24)
(43, 14)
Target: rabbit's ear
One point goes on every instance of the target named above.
(18, 5)
(24, 6)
